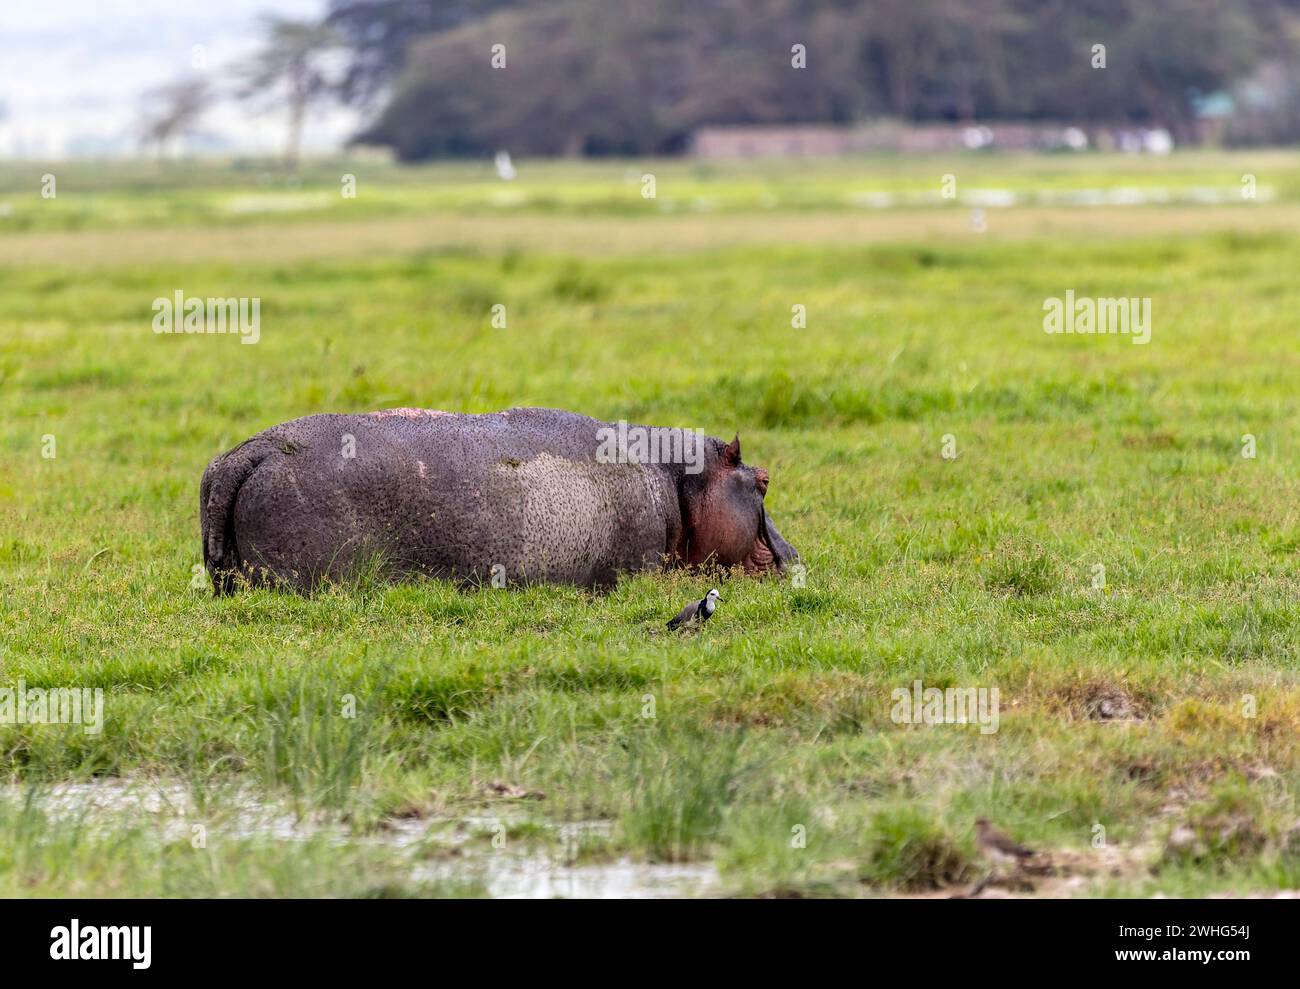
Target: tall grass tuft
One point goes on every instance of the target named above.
(679, 784)
(315, 743)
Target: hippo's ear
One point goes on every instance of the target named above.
(731, 452)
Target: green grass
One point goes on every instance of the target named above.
(366, 705)
(90, 196)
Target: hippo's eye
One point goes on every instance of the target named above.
(760, 480)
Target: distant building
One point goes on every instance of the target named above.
(778, 141)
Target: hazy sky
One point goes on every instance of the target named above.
(72, 71)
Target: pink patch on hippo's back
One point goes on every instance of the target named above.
(411, 413)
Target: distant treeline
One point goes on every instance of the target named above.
(605, 77)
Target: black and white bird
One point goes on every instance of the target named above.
(697, 612)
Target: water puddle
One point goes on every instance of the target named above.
(1119, 196)
(534, 877)
(283, 202)
(472, 849)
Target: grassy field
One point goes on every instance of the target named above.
(418, 740)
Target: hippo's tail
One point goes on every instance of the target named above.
(217, 493)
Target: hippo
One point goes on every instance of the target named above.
(522, 496)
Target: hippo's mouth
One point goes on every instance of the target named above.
(764, 557)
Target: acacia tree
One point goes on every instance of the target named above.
(291, 68)
(173, 110)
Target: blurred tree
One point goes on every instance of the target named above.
(291, 68)
(590, 77)
(174, 110)
(379, 32)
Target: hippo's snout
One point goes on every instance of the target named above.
(784, 554)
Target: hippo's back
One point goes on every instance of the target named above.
(518, 495)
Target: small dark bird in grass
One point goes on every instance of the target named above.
(998, 845)
(697, 612)
(999, 848)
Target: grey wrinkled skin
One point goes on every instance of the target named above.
(518, 495)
